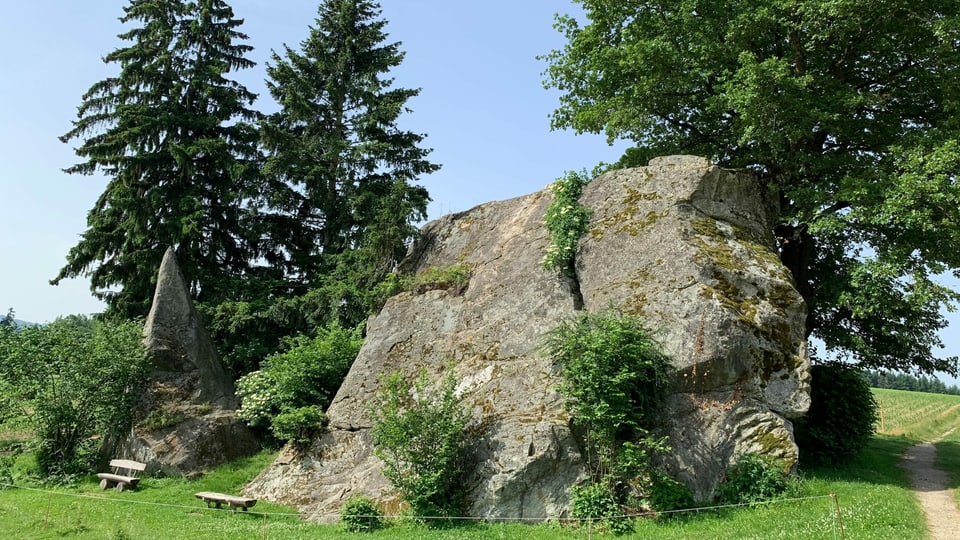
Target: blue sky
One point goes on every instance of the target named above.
(482, 107)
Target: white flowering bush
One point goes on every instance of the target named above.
(291, 389)
(567, 220)
(257, 404)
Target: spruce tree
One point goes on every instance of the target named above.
(173, 135)
(342, 172)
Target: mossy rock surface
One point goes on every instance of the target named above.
(682, 243)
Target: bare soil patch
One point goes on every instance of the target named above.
(932, 488)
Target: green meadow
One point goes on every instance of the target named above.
(869, 498)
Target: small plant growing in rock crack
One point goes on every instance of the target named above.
(162, 417)
(567, 220)
(615, 380)
(420, 432)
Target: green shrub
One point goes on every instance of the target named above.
(299, 425)
(615, 380)
(420, 433)
(73, 384)
(842, 416)
(667, 494)
(567, 220)
(614, 376)
(360, 514)
(283, 392)
(753, 478)
(597, 503)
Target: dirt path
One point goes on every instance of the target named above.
(931, 485)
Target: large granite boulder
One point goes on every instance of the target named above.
(185, 422)
(682, 243)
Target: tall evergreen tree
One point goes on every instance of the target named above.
(173, 135)
(342, 171)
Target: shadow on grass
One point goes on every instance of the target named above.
(877, 464)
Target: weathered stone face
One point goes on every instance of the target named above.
(683, 244)
(688, 247)
(186, 421)
(177, 341)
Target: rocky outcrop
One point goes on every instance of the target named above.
(682, 243)
(185, 421)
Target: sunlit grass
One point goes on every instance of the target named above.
(916, 415)
(872, 494)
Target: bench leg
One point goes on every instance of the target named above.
(104, 484)
(120, 486)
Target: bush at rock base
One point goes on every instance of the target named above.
(360, 514)
(842, 416)
(420, 433)
(752, 479)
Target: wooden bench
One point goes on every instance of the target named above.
(233, 502)
(121, 481)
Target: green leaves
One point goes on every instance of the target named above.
(74, 382)
(615, 380)
(292, 388)
(420, 433)
(847, 108)
(567, 220)
(842, 415)
(341, 172)
(172, 134)
(613, 372)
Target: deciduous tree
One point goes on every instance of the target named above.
(848, 109)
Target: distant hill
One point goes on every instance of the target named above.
(18, 323)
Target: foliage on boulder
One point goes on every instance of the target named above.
(567, 220)
(616, 380)
(420, 433)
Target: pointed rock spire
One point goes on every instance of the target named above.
(176, 339)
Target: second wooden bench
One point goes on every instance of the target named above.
(233, 502)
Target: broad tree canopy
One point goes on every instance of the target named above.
(849, 109)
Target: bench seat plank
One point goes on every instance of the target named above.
(232, 501)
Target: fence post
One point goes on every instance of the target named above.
(836, 502)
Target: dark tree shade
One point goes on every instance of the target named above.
(848, 109)
(171, 133)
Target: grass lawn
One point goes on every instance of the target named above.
(872, 493)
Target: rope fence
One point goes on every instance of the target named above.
(332, 517)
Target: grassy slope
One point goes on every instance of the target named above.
(872, 493)
(926, 417)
